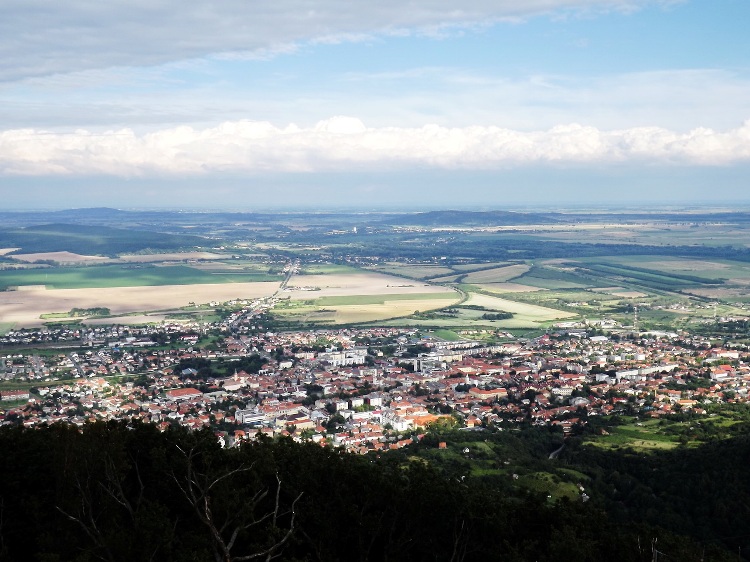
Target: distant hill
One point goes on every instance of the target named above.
(91, 240)
(471, 218)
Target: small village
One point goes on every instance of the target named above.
(363, 389)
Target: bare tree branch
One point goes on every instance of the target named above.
(197, 488)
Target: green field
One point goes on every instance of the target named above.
(414, 271)
(122, 276)
(328, 269)
(447, 335)
(379, 299)
(496, 275)
(467, 267)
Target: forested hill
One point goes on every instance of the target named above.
(91, 240)
(122, 492)
(471, 218)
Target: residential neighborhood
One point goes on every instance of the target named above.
(363, 389)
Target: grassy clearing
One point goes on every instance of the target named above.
(640, 436)
(447, 335)
(574, 474)
(549, 484)
(26, 385)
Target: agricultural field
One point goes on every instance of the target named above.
(414, 271)
(357, 297)
(59, 258)
(25, 308)
(172, 256)
(656, 233)
(522, 312)
(328, 269)
(305, 287)
(497, 275)
(448, 279)
(671, 293)
(100, 276)
(352, 309)
(468, 267)
(568, 265)
(453, 273)
(504, 288)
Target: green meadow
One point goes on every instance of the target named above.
(122, 276)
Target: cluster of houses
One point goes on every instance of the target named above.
(369, 389)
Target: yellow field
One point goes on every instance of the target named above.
(416, 270)
(353, 284)
(356, 313)
(446, 279)
(59, 257)
(522, 311)
(130, 319)
(176, 256)
(360, 285)
(24, 308)
(629, 294)
(497, 275)
(471, 266)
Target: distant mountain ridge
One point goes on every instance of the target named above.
(91, 240)
(472, 218)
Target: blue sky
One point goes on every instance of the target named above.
(337, 103)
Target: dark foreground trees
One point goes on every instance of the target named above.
(124, 492)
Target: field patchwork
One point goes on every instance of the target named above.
(24, 308)
(358, 297)
(496, 275)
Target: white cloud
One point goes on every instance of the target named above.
(345, 143)
(44, 38)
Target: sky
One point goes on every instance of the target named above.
(421, 104)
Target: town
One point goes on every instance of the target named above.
(361, 389)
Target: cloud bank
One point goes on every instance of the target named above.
(42, 38)
(345, 143)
